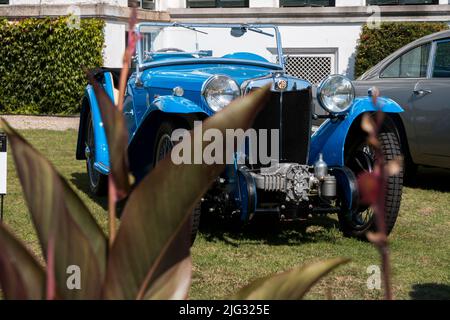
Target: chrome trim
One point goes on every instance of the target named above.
(138, 27)
(432, 58)
(178, 91)
(293, 83)
(211, 79)
(176, 62)
(319, 89)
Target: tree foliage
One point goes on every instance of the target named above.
(42, 61)
(376, 44)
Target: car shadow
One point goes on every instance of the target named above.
(269, 230)
(430, 291)
(80, 181)
(431, 179)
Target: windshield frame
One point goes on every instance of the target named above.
(141, 65)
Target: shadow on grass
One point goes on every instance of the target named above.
(431, 179)
(430, 291)
(80, 181)
(269, 230)
(266, 229)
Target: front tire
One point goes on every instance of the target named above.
(360, 158)
(98, 182)
(163, 146)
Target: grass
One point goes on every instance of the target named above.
(227, 258)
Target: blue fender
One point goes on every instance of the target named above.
(101, 143)
(170, 105)
(330, 138)
(174, 104)
(143, 137)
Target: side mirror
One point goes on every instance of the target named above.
(238, 32)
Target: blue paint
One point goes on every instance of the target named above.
(155, 95)
(330, 138)
(101, 144)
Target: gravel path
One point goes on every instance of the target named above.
(43, 122)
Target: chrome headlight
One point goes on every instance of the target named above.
(219, 91)
(336, 94)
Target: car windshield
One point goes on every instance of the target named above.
(159, 41)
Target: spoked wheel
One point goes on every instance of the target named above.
(163, 147)
(360, 158)
(97, 182)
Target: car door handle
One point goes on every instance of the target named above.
(421, 92)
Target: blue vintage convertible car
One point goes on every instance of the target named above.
(188, 72)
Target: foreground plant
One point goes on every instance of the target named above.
(150, 257)
(373, 187)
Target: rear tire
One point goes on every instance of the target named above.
(163, 146)
(98, 182)
(357, 227)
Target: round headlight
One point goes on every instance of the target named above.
(336, 94)
(219, 91)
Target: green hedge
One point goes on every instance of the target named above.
(376, 44)
(42, 61)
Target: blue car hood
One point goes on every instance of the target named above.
(192, 77)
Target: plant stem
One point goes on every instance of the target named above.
(380, 211)
(384, 251)
(112, 200)
(50, 271)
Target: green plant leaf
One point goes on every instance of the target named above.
(56, 210)
(174, 284)
(154, 232)
(289, 285)
(117, 136)
(21, 276)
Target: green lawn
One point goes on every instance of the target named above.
(226, 259)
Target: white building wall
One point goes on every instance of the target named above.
(264, 3)
(122, 3)
(172, 4)
(350, 3)
(114, 44)
(343, 37)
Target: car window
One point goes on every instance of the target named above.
(412, 64)
(441, 67)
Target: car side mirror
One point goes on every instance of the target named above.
(238, 32)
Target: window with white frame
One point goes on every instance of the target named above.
(143, 4)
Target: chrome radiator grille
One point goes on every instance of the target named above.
(290, 113)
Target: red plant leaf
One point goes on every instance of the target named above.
(367, 124)
(117, 136)
(50, 271)
(394, 166)
(375, 95)
(21, 275)
(56, 208)
(131, 47)
(154, 232)
(289, 285)
(174, 284)
(368, 186)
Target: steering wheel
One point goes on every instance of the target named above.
(170, 50)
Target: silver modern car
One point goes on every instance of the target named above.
(417, 77)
